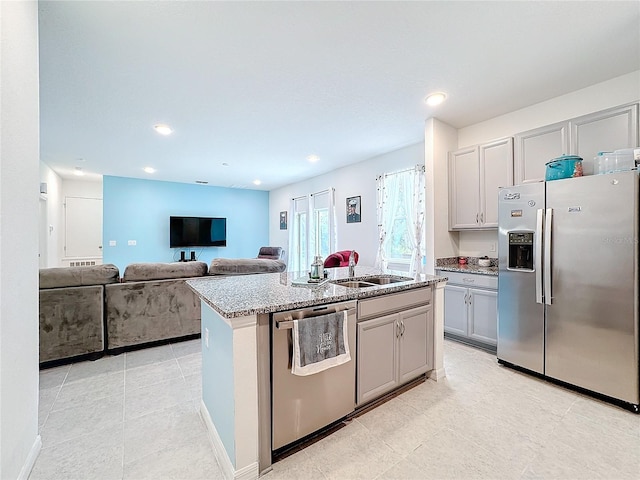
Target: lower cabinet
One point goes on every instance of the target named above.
(393, 350)
(471, 307)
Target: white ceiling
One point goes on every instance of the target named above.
(262, 85)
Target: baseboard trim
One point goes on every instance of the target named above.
(31, 459)
(250, 472)
(437, 374)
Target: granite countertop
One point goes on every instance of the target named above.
(241, 295)
(450, 264)
(475, 269)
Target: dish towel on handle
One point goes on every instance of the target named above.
(320, 343)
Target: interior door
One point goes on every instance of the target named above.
(83, 227)
(591, 327)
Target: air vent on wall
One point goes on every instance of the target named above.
(82, 263)
(202, 182)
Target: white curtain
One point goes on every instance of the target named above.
(414, 207)
(387, 195)
(305, 235)
(401, 189)
(297, 232)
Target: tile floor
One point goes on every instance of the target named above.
(135, 416)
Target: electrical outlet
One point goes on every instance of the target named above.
(112, 243)
(492, 247)
(206, 337)
(131, 243)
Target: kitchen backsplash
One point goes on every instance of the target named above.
(443, 262)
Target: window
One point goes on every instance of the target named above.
(313, 229)
(400, 208)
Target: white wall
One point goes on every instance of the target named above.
(440, 138)
(54, 224)
(82, 188)
(19, 208)
(58, 189)
(614, 92)
(352, 180)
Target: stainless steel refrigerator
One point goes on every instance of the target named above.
(568, 282)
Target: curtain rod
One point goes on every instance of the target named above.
(417, 167)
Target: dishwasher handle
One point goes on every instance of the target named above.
(287, 323)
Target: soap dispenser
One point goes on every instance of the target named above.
(317, 268)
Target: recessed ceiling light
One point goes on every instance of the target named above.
(435, 99)
(149, 169)
(163, 129)
(78, 171)
(257, 182)
(313, 158)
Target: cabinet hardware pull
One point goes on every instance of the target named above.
(397, 329)
(476, 218)
(482, 218)
(402, 331)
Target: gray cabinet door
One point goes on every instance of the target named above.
(496, 170)
(533, 149)
(483, 315)
(377, 352)
(414, 350)
(604, 131)
(455, 309)
(464, 193)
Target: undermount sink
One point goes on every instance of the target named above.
(353, 283)
(386, 280)
(369, 282)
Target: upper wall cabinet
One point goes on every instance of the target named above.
(584, 136)
(533, 149)
(604, 132)
(475, 174)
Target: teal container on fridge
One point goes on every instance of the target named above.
(566, 166)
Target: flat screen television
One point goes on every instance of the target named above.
(197, 232)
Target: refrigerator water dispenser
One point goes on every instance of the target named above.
(521, 250)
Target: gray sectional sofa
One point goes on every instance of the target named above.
(86, 312)
(152, 303)
(72, 311)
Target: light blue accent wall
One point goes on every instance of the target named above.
(139, 210)
(217, 377)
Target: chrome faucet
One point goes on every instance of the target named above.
(352, 263)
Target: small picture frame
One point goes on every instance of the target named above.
(283, 220)
(353, 209)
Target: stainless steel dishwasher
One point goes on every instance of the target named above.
(302, 405)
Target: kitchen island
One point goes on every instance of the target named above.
(236, 312)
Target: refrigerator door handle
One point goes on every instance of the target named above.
(548, 222)
(537, 266)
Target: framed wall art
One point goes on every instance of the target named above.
(283, 220)
(353, 209)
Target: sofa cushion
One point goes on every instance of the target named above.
(71, 321)
(150, 311)
(271, 253)
(137, 272)
(78, 276)
(245, 266)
